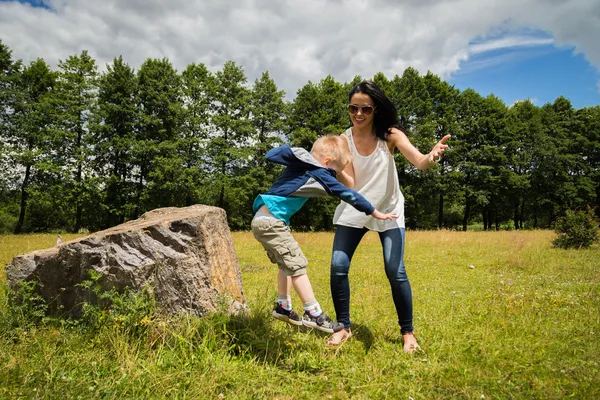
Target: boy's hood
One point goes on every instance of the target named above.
(292, 156)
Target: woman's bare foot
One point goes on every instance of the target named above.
(339, 337)
(410, 343)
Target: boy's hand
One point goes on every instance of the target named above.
(379, 215)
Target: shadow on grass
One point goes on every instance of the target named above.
(253, 334)
(362, 333)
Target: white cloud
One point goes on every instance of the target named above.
(514, 55)
(297, 41)
(508, 43)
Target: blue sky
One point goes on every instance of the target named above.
(516, 50)
(541, 73)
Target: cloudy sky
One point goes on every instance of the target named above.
(516, 49)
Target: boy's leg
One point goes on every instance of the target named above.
(273, 234)
(284, 250)
(293, 263)
(283, 309)
(314, 316)
(284, 285)
(303, 288)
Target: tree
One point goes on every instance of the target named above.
(267, 115)
(466, 143)
(386, 85)
(560, 179)
(30, 142)
(229, 143)
(576, 229)
(76, 96)
(9, 74)
(158, 166)
(113, 133)
(198, 87)
(493, 158)
(523, 135)
(444, 103)
(412, 101)
(319, 108)
(589, 129)
(268, 119)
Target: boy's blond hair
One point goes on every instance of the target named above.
(334, 146)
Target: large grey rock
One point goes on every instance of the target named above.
(184, 255)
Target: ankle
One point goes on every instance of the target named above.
(313, 308)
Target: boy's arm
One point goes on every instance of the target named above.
(352, 197)
(335, 188)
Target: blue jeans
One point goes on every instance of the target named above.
(344, 244)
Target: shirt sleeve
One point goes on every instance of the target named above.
(337, 189)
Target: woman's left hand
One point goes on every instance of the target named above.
(438, 150)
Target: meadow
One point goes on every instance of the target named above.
(499, 315)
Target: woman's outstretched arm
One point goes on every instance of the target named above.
(399, 140)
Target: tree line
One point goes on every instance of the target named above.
(87, 149)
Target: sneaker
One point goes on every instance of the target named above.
(284, 315)
(322, 323)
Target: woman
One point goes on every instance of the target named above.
(372, 139)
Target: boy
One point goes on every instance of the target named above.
(306, 175)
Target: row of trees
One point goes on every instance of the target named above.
(87, 149)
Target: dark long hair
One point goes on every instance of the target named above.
(386, 115)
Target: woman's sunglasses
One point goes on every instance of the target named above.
(366, 110)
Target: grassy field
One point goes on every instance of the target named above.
(523, 323)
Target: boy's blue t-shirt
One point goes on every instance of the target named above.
(281, 207)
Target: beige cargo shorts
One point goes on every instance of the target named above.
(281, 247)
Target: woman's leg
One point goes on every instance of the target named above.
(345, 241)
(393, 256)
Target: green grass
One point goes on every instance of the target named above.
(524, 323)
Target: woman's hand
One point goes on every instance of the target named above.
(379, 215)
(438, 150)
(399, 140)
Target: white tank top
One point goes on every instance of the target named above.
(376, 178)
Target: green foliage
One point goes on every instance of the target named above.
(28, 146)
(229, 145)
(412, 100)
(160, 95)
(76, 97)
(23, 308)
(129, 312)
(320, 108)
(198, 86)
(303, 137)
(8, 218)
(576, 229)
(113, 130)
(9, 74)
